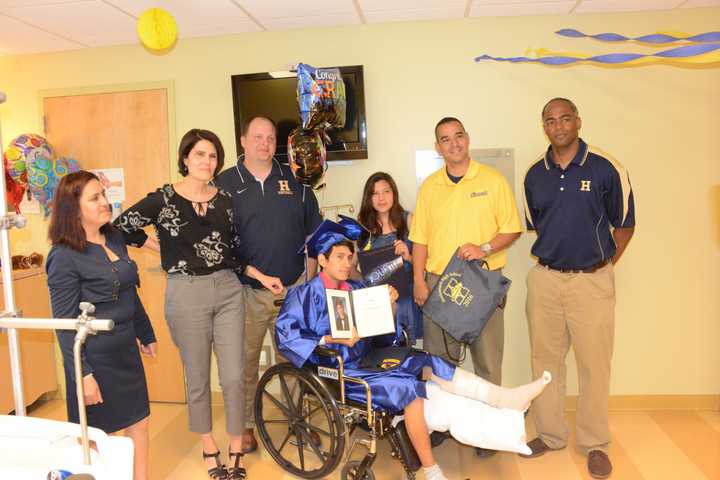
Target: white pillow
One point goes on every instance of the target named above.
(474, 422)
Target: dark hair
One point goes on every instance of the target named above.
(188, 142)
(445, 120)
(65, 223)
(246, 123)
(368, 217)
(559, 99)
(342, 243)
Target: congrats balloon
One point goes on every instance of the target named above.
(321, 97)
(157, 29)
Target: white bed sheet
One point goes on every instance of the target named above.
(32, 447)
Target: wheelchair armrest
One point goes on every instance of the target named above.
(331, 353)
(342, 378)
(326, 352)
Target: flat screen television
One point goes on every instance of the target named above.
(276, 98)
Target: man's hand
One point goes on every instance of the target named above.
(91, 390)
(394, 295)
(421, 292)
(149, 350)
(274, 284)
(348, 342)
(470, 251)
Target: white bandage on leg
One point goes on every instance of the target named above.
(519, 398)
(471, 386)
(466, 384)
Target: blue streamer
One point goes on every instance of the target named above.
(611, 58)
(659, 38)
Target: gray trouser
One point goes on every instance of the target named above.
(486, 350)
(205, 313)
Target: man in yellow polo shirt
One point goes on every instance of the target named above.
(468, 208)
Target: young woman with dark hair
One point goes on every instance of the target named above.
(388, 223)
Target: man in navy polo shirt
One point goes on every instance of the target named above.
(272, 215)
(580, 203)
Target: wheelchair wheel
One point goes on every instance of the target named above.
(349, 472)
(298, 421)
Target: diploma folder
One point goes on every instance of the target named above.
(368, 309)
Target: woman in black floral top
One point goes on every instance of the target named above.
(204, 304)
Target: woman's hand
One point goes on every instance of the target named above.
(91, 390)
(149, 350)
(152, 244)
(402, 249)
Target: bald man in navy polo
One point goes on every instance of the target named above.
(580, 203)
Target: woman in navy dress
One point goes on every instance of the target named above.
(89, 262)
(388, 223)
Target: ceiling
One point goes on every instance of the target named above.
(34, 26)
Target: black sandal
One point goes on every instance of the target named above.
(217, 472)
(236, 472)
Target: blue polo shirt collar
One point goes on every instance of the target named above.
(245, 174)
(579, 159)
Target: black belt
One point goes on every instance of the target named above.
(591, 269)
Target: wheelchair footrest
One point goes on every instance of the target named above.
(400, 441)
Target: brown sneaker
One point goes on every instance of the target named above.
(538, 447)
(599, 464)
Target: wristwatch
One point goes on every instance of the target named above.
(486, 247)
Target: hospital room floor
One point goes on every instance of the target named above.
(652, 445)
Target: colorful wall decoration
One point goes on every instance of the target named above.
(686, 50)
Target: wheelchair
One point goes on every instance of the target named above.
(305, 422)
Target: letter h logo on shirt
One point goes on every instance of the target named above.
(584, 185)
(284, 187)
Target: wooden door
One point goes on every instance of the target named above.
(128, 130)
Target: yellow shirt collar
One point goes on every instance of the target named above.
(472, 171)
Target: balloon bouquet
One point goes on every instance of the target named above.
(322, 101)
(31, 166)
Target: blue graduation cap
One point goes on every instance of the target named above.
(329, 233)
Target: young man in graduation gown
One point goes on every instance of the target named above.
(304, 323)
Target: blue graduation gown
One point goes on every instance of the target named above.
(304, 320)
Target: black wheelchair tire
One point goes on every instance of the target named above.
(349, 472)
(309, 385)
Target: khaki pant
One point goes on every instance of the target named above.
(486, 350)
(260, 315)
(205, 314)
(572, 309)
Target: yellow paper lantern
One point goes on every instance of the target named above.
(157, 29)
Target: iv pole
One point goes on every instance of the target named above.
(9, 318)
(7, 222)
